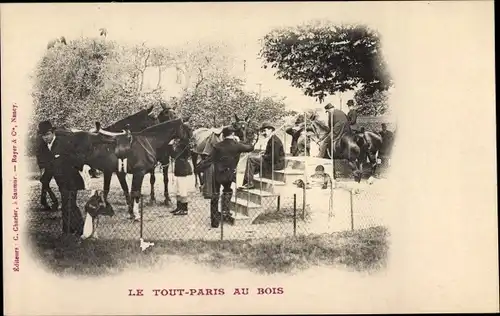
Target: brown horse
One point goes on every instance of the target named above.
(204, 139)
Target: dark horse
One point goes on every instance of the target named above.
(204, 139)
(353, 147)
(140, 152)
(102, 156)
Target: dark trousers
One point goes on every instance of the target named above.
(45, 180)
(72, 220)
(227, 193)
(254, 163)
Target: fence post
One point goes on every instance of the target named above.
(279, 203)
(352, 213)
(142, 218)
(294, 214)
(221, 220)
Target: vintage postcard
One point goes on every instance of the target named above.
(249, 158)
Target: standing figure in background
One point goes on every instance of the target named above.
(352, 116)
(387, 140)
(304, 142)
(182, 171)
(295, 132)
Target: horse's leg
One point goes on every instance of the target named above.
(136, 195)
(167, 202)
(107, 182)
(152, 181)
(122, 177)
(194, 160)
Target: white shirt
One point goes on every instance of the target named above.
(51, 143)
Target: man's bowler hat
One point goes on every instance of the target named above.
(45, 127)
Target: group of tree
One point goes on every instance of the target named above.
(79, 81)
(83, 80)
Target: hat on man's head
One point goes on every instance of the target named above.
(266, 125)
(45, 127)
(350, 102)
(228, 130)
(329, 106)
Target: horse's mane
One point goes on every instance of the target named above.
(141, 116)
(320, 124)
(160, 127)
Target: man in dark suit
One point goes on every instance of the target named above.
(352, 116)
(338, 124)
(387, 140)
(44, 160)
(224, 157)
(66, 163)
(272, 159)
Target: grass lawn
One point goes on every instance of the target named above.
(361, 250)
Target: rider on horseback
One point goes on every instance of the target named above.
(338, 124)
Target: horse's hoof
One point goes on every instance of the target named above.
(168, 203)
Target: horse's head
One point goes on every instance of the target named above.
(240, 126)
(167, 113)
(135, 122)
(318, 128)
(185, 132)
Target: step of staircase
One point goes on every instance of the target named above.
(257, 196)
(266, 184)
(244, 207)
(240, 219)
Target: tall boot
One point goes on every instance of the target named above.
(214, 212)
(183, 209)
(177, 209)
(225, 203)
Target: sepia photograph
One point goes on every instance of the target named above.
(223, 148)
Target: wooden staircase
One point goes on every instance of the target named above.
(247, 205)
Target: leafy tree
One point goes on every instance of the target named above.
(323, 59)
(371, 103)
(89, 80)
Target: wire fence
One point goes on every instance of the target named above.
(302, 212)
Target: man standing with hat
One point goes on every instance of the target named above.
(338, 124)
(272, 159)
(66, 163)
(44, 161)
(224, 157)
